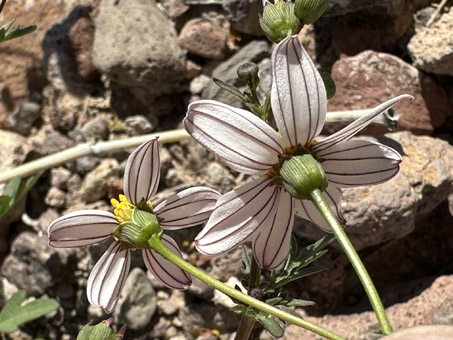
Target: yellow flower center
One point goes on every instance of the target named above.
(123, 209)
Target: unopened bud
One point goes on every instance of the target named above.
(308, 11)
(278, 20)
(248, 72)
(301, 175)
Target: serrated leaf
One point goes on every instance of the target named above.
(230, 88)
(15, 314)
(281, 281)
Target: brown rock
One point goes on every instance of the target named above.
(432, 307)
(369, 78)
(205, 38)
(21, 58)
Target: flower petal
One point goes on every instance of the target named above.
(273, 241)
(187, 208)
(358, 163)
(245, 142)
(108, 277)
(307, 210)
(165, 271)
(349, 131)
(142, 173)
(80, 228)
(237, 215)
(298, 96)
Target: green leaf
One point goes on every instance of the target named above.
(299, 303)
(271, 325)
(5, 203)
(15, 314)
(101, 331)
(14, 191)
(16, 33)
(230, 88)
(12, 187)
(329, 83)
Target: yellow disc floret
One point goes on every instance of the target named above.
(123, 209)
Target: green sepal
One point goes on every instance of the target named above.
(278, 20)
(101, 331)
(308, 11)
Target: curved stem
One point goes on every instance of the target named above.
(320, 203)
(156, 244)
(246, 324)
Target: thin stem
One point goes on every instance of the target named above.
(246, 324)
(320, 203)
(156, 244)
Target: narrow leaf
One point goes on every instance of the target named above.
(12, 187)
(230, 88)
(271, 325)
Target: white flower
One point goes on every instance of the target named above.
(188, 208)
(262, 210)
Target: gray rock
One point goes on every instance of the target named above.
(217, 176)
(138, 125)
(244, 15)
(431, 48)
(34, 266)
(94, 185)
(376, 214)
(55, 198)
(23, 118)
(137, 303)
(13, 151)
(97, 128)
(198, 84)
(384, 7)
(157, 62)
(59, 177)
(255, 51)
(49, 141)
(86, 164)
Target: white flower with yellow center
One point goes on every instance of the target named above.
(134, 220)
(290, 162)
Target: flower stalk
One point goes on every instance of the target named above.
(320, 202)
(155, 243)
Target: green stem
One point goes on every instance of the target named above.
(246, 324)
(156, 244)
(320, 203)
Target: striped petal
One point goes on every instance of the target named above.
(108, 277)
(273, 241)
(359, 163)
(80, 228)
(244, 141)
(165, 271)
(298, 96)
(307, 210)
(237, 215)
(187, 208)
(349, 131)
(142, 173)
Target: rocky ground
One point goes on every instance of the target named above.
(105, 70)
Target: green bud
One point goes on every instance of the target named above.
(308, 11)
(301, 175)
(248, 72)
(136, 233)
(278, 20)
(101, 331)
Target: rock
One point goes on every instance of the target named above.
(174, 8)
(255, 51)
(157, 63)
(386, 7)
(138, 125)
(219, 177)
(388, 211)
(432, 307)
(13, 151)
(244, 15)
(55, 197)
(62, 120)
(49, 141)
(192, 69)
(21, 62)
(94, 185)
(97, 128)
(205, 37)
(59, 177)
(23, 118)
(171, 305)
(67, 53)
(137, 303)
(431, 48)
(369, 78)
(198, 84)
(86, 164)
(34, 266)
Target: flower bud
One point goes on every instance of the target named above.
(248, 72)
(301, 175)
(308, 11)
(278, 20)
(136, 233)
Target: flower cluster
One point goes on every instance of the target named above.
(133, 217)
